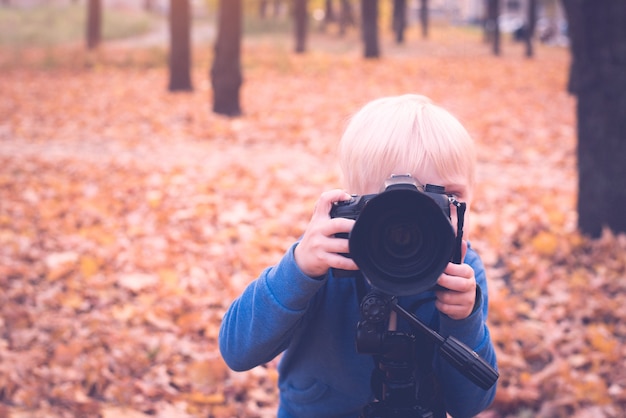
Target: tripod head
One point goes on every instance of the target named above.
(397, 365)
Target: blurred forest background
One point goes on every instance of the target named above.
(131, 216)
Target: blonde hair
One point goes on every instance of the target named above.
(406, 131)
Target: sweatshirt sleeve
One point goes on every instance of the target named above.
(463, 397)
(259, 324)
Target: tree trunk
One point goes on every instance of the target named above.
(329, 12)
(300, 24)
(530, 27)
(424, 17)
(492, 27)
(399, 19)
(346, 16)
(597, 31)
(94, 20)
(263, 9)
(369, 15)
(226, 77)
(277, 8)
(180, 46)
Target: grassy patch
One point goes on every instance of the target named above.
(51, 26)
(254, 26)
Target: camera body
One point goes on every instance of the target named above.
(403, 237)
(351, 209)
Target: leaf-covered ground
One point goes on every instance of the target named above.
(131, 217)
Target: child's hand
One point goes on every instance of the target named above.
(319, 249)
(458, 297)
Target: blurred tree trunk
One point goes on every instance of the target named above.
(492, 26)
(597, 31)
(424, 17)
(399, 19)
(369, 25)
(329, 12)
(180, 46)
(277, 8)
(530, 27)
(94, 23)
(263, 9)
(346, 16)
(300, 24)
(226, 77)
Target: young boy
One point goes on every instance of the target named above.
(300, 308)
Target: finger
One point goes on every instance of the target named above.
(339, 261)
(461, 270)
(449, 300)
(454, 311)
(337, 225)
(452, 297)
(326, 200)
(333, 244)
(457, 282)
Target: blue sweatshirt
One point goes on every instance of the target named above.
(313, 323)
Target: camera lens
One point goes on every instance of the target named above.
(402, 241)
(396, 246)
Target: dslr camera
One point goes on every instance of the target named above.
(403, 237)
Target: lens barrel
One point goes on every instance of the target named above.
(402, 241)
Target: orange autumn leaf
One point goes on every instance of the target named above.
(131, 217)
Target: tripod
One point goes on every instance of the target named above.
(395, 377)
